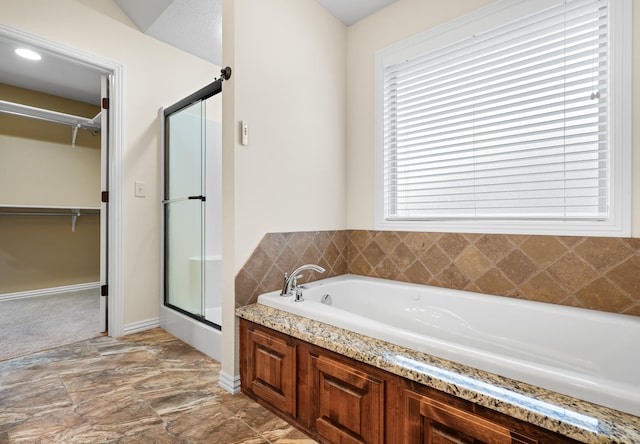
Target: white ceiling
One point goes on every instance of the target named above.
(51, 75)
(195, 26)
(352, 11)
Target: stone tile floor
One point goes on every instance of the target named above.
(148, 387)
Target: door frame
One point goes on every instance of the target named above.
(114, 166)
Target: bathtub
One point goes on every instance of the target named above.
(590, 355)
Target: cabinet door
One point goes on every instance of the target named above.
(350, 403)
(271, 371)
(430, 421)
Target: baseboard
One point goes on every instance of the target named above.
(137, 327)
(230, 383)
(48, 291)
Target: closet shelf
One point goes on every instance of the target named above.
(74, 213)
(75, 122)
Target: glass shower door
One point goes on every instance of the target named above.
(184, 206)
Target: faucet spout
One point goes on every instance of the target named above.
(291, 280)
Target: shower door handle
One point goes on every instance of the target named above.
(182, 199)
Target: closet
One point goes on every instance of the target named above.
(50, 169)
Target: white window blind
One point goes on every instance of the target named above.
(510, 124)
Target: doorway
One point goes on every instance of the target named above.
(103, 210)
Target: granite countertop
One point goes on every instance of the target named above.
(580, 420)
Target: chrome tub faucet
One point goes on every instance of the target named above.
(290, 284)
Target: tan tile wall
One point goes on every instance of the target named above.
(590, 272)
(596, 273)
(278, 253)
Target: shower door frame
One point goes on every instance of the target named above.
(199, 96)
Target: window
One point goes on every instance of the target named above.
(490, 124)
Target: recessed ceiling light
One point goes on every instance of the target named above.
(28, 54)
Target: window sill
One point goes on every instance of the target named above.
(545, 228)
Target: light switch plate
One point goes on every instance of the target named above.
(140, 189)
(244, 129)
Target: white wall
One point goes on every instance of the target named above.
(395, 23)
(290, 87)
(289, 84)
(635, 94)
(155, 75)
(55, 171)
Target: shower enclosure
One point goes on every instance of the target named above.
(192, 210)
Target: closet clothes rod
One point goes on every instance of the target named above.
(26, 213)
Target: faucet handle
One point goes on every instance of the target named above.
(299, 297)
(294, 281)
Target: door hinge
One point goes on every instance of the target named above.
(104, 197)
(105, 103)
(104, 290)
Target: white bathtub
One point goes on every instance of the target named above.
(590, 355)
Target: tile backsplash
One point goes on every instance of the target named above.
(280, 253)
(589, 272)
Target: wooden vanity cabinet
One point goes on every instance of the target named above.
(332, 398)
(338, 400)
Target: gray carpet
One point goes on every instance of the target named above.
(40, 323)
